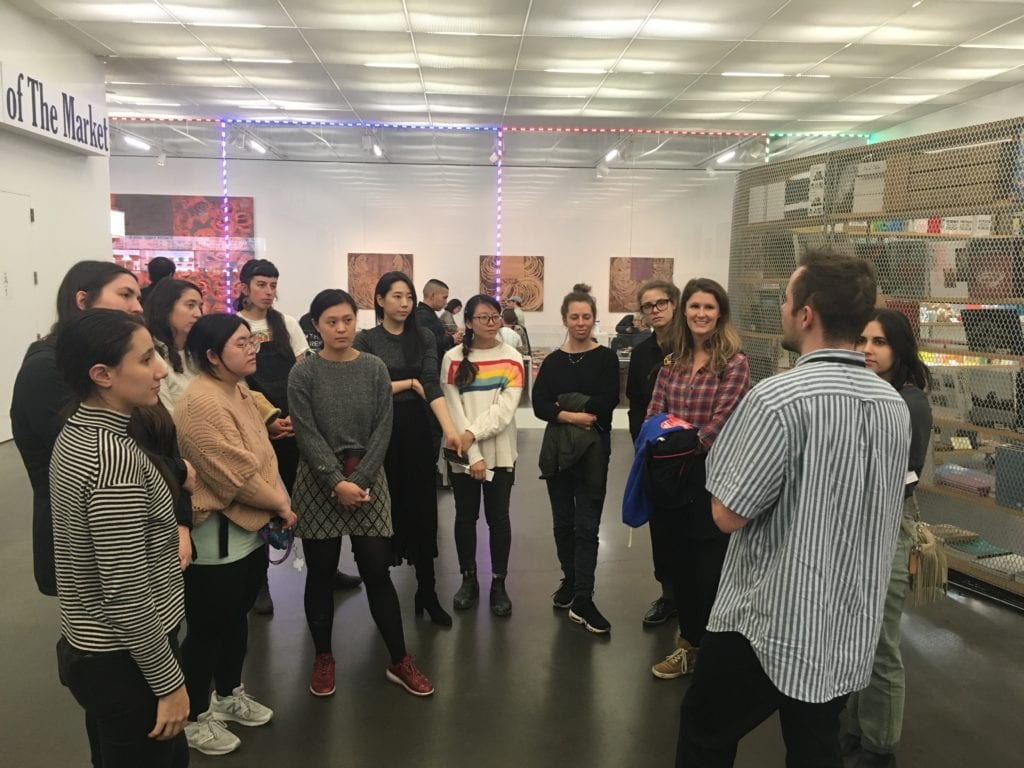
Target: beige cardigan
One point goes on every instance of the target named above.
(226, 440)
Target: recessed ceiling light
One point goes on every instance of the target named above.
(262, 61)
(255, 146)
(199, 58)
(131, 141)
(576, 71)
(753, 74)
(725, 157)
(391, 65)
(226, 24)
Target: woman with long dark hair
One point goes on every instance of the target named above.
(341, 408)
(238, 491)
(281, 343)
(874, 716)
(410, 354)
(707, 378)
(40, 393)
(116, 548)
(657, 301)
(575, 392)
(482, 380)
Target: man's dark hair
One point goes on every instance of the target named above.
(159, 268)
(840, 289)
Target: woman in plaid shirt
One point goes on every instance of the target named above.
(703, 384)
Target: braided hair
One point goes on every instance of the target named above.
(466, 372)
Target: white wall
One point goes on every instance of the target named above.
(1001, 105)
(311, 215)
(69, 192)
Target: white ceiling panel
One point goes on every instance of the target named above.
(876, 61)
(525, 106)
(539, 53)
(103, 10)
(1010, 35)
(174, 72)
(347, 47)
(720, 20)
(702, 110)
(265, 12)
(811, 21)
(144, 40)
(372, 79)
(556, 84)
(895, 91)
(817, 90)
(486, 17)
(556, 18)
(297, 77)
(948, 22)
(255, 43)
(638, 86)
(457, 52)
(367, 15)
(784, 58)
(638, 109)
(966, 64)
(717, 88)
(481, 82)
(666, 56)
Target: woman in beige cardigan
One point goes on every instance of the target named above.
(238, 491)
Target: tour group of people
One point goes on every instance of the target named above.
(166, 447)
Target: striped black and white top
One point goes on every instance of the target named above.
(116, 546)
(816, 459)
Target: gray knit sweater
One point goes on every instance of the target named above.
(339, 407)
(389, 348)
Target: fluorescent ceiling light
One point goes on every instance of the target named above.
(390, 65)
(132, 102)
(256, 106)
(377, 151)
(255, 146)
(611, 155)
(916, 3)
(199, 58)
(131, 141)
(753, 74)
(576, 71)
(227, 24)
(725, 157)
(821, 76)
(992, 47)
(263, 61)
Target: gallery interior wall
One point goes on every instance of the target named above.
(310, 216)
(68, 192)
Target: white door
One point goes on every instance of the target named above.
(17, 292)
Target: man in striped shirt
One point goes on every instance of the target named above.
(808, 474)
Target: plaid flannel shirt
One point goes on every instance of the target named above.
(707, 401)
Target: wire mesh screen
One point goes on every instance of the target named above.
(940, 219)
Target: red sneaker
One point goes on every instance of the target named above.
(408, 675)
(322, 682)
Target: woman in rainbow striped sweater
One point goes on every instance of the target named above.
(482, 381)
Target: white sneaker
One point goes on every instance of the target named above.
(239, 707)
(210, 737)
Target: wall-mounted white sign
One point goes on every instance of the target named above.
(34, 104)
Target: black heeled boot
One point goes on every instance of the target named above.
(501, 605)
(468, 593)
(426, 595)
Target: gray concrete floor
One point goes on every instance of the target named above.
(531, 690)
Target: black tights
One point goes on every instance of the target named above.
(373, 558)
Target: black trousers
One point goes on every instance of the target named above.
(662, 550)
(217, 603)
(120, 709)
(731, 695)
(287, 452)
(695, 575)
(576, 516)
(497, 495)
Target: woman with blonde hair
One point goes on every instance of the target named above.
(702, 384)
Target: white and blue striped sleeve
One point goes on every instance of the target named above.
(746, 466)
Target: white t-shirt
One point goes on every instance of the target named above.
(261, 332)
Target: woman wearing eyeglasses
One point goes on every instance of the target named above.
(238, 491)
(658, 300)
(482, 381)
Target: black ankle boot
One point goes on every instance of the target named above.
(468, 593)
(500, 603)
(427, 601)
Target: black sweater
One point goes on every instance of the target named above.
(920, 429)
(645, 361)
(595, 374)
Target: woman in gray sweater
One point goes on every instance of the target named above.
(341, 410)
